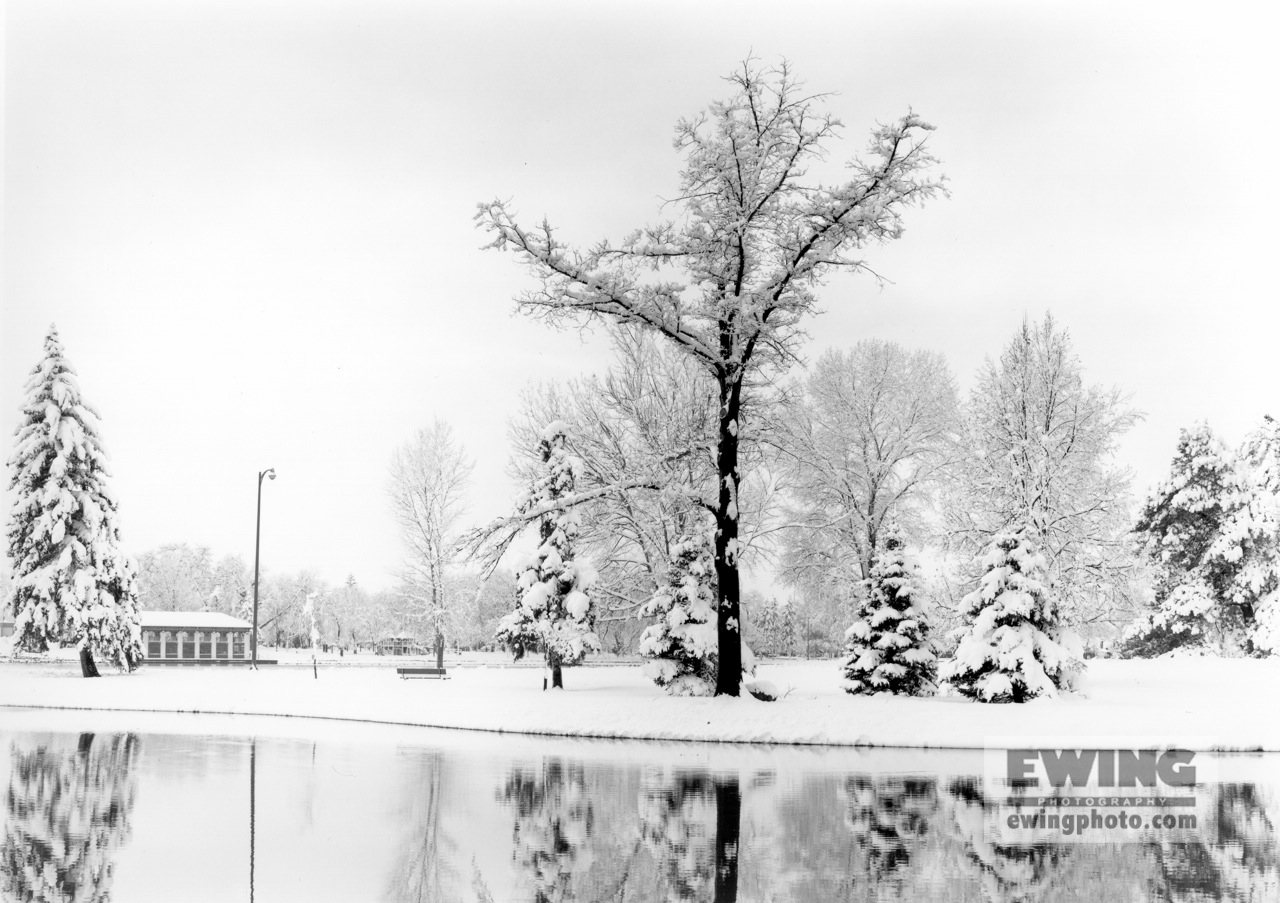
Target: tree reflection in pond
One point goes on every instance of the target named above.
(553, 816)
(890, 817)
(68, 813)
(1237, 862)
(1007, 873)
(426, 863)
(691, 824)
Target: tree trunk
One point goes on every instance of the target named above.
(728, 819)
(728, 623)
(87, 666)
(557, 675)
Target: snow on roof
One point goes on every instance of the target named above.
(213, 620)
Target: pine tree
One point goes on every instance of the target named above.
(553, 609)
(888, 648)
(682, 642)
(786, 628)
(1191, 529)
(1014, 647)
(1250, 539)
(72, 583)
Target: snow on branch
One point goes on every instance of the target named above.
(490, 542)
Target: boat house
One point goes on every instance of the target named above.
(194, 638)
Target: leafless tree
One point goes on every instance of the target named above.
(1039, 446)
(427, 485)
(731, 281)
(868, 443)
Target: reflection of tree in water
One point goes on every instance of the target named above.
(889, 818)
(422, 872)
(69, 811)
(1008, 874)
(1236, 858)
(553, 817)
(691, 825)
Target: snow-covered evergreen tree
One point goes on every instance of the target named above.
(1014, 647)
(1204, 531)
(72, 583)
(1249, 542)
(888, 648)
(553, 611)
(681, 643)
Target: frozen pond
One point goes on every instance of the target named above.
(197, 807)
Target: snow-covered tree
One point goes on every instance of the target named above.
(1014, 647)
(866, 445)
(645, 432)
(1041, 446)
(175, 577)
(1205, 534)
(1249, 542)
(731, 281)
(888, 648)
(681, 643)
(72, 583)
(554, 609)
(428, 479)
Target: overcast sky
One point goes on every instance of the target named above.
(252, 222)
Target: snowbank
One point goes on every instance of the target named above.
(1218, 704)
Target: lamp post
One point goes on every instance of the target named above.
(257, 542)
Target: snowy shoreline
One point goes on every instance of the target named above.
(1220, 705)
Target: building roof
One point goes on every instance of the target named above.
(206, 620)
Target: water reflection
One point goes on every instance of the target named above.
(429, 817)
(424, 870)
(1241, 866)
(691, 824)
(69, 805)
(552, 831)
(1007, 874)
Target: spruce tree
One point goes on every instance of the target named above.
(553, 608)
(1249, 541)
(887, 648)
(72, 583)
(1181, 532)
(1015, 647)
(681, 643)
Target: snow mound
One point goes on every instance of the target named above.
(762, 689)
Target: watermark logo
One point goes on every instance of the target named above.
(1047, 790)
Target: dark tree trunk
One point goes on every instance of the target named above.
(728, 621)
(87, 666)
(728, 821)
(557, 673)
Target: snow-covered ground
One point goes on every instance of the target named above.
(1203, 703)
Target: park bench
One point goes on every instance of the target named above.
(422, 672)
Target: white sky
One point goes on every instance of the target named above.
(251, 222)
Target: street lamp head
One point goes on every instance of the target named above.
(271, 473)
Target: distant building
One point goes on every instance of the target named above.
(399, 645)
(194, 638)
(6, 626)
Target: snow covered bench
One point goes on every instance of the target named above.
(422, 672)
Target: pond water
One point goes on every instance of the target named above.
(147, 808)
